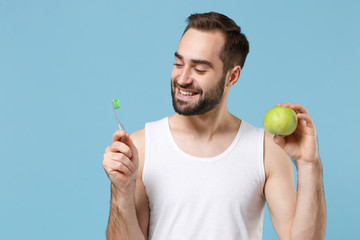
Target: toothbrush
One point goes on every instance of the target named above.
(116, 107)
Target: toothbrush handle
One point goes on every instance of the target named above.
(121, 127)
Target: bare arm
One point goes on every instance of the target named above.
(310, 215)
(280, 191)
(141, 199)
(301, 214)
(123, 222)
(128, 217)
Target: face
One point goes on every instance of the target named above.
(197, 79)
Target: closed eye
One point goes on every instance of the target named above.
(200, 71)
(178, 65)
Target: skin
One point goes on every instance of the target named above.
(295, 214)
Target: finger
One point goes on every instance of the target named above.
(110, 158)
(107, 149)
(132, 146)
(279, 140)
(118, 135)
(121, 147)
(299, 108)
(283, 104)
(308, 120)
(119, 157)
(112, 166)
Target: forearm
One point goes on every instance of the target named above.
(310, 215)
(123, 223)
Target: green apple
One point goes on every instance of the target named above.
(280, 121)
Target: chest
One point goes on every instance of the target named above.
(204, 148)
(189, 184)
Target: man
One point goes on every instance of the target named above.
(202, 173)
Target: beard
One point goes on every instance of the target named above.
(207, 101)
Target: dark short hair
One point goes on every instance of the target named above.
(236, 45)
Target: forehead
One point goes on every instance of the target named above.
(197, 44)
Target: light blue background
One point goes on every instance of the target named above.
(62, 62)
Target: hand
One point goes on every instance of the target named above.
(302, 145)
(121, 162)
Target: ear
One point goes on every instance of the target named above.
(234, 75)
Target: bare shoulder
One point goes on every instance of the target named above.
(138, 138)
(275, 158)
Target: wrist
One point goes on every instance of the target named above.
(310, 171)
(313, 164)
(121, 201)
(122, 194)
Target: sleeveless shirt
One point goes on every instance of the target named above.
(193, 198)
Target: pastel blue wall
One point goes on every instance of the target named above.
(62, 62)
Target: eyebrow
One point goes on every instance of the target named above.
(196, 61)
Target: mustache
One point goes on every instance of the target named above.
(189, 86)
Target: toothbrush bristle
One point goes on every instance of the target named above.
(116, 103)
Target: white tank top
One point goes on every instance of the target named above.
(193, 198)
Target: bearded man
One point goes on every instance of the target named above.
(203, 173)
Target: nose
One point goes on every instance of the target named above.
(185, 76)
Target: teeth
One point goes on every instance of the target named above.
(186, 93)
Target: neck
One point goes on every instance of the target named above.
(207, 125)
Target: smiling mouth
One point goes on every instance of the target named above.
(187, 93)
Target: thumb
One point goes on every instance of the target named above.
(132, 146)
(279, 140)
